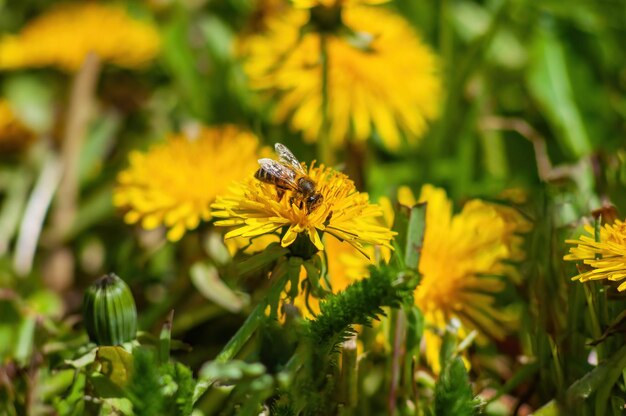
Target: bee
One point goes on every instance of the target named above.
(287, 174)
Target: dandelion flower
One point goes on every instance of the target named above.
(14, 135)
(380, 76)
(605, 259)
(255, 208)
(460, 258)
(175, 183)
(65, 35)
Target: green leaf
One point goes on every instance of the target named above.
(453, 392)
(104, 388)
(25, 339)
(56, 383)
(180, 60)
(73, 404)
(601, 380)
(100, 139)
(260, 261)
(84, 360)
(550, 85)
(415, 236)
(206, 279)
(144, 388)
(165, 339)
(415, 327)
(185, 384)
(116, 364)
(231, 371)
(549, 409)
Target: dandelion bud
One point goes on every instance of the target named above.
(109, 311)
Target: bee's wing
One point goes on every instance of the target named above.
(278, 170)
(286, 157)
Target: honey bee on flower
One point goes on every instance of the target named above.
(288, 174)
(284, 196)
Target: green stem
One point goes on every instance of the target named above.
(324, 146)
(596, 330)
(396, 358)
(349, 377)
(280, 276)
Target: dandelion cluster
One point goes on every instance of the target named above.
(64, 36)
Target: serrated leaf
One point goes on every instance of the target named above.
(453, 392)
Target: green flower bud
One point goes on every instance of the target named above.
(109, 311)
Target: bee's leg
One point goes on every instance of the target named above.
(280, 192)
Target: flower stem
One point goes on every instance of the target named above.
(79, 112)
(324, 146)
(280, 276)
(348, 382)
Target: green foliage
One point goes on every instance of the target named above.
(359, 303)
(534, 101)
(453, 393)
(159, 389)
(182, 376)
(145, 386)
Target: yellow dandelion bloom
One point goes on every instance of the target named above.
(175, 183)
(14, 135)
(461, 254)
(381, 77)
(606, 258)
(255, 208)
(65, 35)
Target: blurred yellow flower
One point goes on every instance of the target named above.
(255, 208)
(65, 35)
(14, 135)
(307, 4)
(461, 256)
(175, 183)
(380, 76)
(605, 259)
